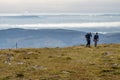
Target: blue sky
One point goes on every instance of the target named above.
(60, 6)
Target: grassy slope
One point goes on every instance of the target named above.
(72, 63)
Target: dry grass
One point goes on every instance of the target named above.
(72, 63)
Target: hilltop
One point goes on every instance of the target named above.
(69, 63)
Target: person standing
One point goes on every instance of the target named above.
(96, 39)
(88, 39)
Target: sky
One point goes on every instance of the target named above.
(60, 6)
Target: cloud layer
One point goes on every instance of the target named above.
(63, 25)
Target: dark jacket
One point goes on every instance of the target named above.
(96, 37)
(88, 36)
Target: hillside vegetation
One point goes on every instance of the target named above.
(70, 63)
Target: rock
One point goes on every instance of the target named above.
(6, 62)
(29, 53)
(91, 63)
(39, 67)
(20, 63)
(9, 59)
(106, 53)
(65, 72)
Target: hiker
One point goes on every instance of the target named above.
(88, 39)
(96, 39)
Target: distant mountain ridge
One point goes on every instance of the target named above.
(48, 38)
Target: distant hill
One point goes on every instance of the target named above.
(48, 38)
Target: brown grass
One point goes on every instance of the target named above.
(71, 63)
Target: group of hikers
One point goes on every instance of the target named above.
(88, 37)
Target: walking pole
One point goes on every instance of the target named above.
(16, 45)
